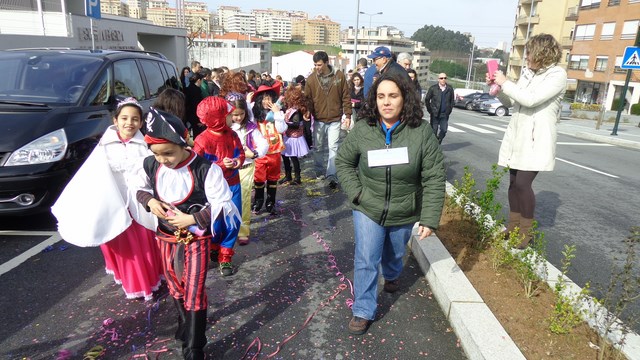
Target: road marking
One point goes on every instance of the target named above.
(475, 128)
(588, 168)
(16, 261)
(503, 129)
(583, 144)
(454, 129)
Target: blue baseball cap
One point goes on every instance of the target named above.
(380, 51)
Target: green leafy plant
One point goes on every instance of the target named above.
(531, 262)
(565, 316)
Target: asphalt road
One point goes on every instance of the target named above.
(590, 200)
(61, 299)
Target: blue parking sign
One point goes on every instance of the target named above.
(92, 8)
(631, 58)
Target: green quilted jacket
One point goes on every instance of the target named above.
(396, 194)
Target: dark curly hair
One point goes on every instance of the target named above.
(294, 97)
(411, 108)
(258, 112)
(233, 82)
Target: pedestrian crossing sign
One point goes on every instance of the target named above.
(631, 58)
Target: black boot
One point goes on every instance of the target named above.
(258, 198)
(182, 318)
(296, 170)
(287, 170)
(196, 338)
(270, 204)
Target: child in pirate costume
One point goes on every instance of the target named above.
(185, 192)
(221, 145)
(270, 120)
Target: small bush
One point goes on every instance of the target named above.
(635, 109)
(585, 107)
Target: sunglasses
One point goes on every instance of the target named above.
(443, 78)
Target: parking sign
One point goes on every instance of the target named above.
(92, 8)
(631, 58)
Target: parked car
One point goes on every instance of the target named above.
(464, 101)
(54, 107)
(494, 107)
(477, 102)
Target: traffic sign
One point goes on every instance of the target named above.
(92, 8)
(631, 58)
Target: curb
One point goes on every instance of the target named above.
(603, 139)
(481, 335)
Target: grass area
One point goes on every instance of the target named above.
(280, 48)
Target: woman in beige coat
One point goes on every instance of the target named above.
(529, 144)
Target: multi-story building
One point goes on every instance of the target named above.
(224, 12)
(241, 23)
(391, 37)
(316, 32)
(138, 9)
(536, 17)
(274, 25)
(603, 30)
(114, 7)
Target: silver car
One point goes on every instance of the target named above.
(494, 107)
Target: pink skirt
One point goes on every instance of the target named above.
(134, 260)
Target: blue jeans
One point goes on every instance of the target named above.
(375, 245)
(329, 132)
(439, 124)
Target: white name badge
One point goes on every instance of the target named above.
(386, 157)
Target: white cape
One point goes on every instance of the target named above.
(91, 211)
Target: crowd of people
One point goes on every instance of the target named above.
(178, 182)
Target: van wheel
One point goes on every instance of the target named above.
(501, 111)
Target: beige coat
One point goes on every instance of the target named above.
(530, 140)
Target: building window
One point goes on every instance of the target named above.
(578, 62)
(589, 4)
(629, 30)
(585, 32)
(601, 63)
(614, 2)
(617, 68)
(607, 31)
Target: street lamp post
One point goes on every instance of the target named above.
(355, 37)
(369, 30)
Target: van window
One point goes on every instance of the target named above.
(173, 77)
(127, 79)
(101, 91)
(154, 75)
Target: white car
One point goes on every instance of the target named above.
(494, 107)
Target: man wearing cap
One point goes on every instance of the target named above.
(384, 63)
(328, 97)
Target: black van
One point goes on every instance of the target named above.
(54, 107)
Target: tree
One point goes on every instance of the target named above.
(439, 38)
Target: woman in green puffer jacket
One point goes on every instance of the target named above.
(391, 168)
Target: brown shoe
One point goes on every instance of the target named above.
(391, 286)
(358, 325)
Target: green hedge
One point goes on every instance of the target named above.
(635, 109)
(585, 107)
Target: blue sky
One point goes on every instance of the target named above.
(490, 21)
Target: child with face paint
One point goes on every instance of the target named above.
(222, 146)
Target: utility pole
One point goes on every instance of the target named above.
(355, 37)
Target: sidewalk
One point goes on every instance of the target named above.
(628, 134)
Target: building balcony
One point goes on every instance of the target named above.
(519, 41)
(566, 42)
(523, 2)
(525, 20)
(572, 14)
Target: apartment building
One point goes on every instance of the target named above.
(114, 7)
(274, 25)
(316, 32)
(391, 37)
(603, 30)
(542, 16)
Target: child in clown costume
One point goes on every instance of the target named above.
(270, 120)
(222, 146)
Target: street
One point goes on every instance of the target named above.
(589, 200)
(288, 291)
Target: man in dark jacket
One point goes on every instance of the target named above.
(384, 63)
(439, 103)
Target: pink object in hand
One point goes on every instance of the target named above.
(492, 67)
(494, 89)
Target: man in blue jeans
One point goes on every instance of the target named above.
(328, 94)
